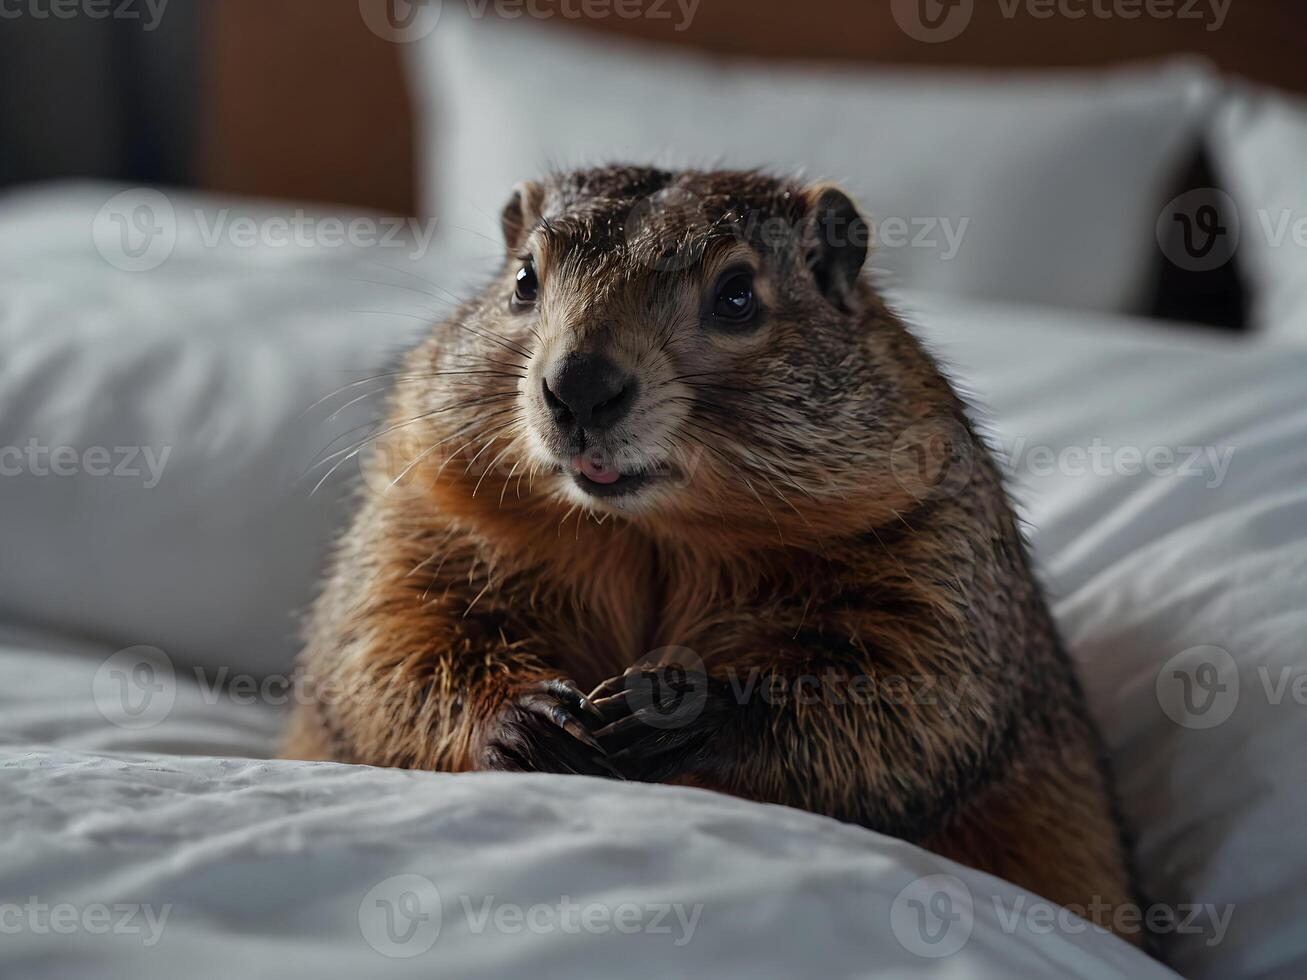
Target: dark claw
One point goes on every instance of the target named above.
(564, 719)
(625, 724)
(580, 701)
(614, 705)
(615, 685)
(538, 731)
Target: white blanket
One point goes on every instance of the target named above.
(205, 863)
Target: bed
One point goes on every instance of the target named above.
(149, 630)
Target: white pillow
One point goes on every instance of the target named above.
(1259, 147)
(1041, 187)
(180, 511)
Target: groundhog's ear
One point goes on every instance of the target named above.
(521, 213)
(837, 242)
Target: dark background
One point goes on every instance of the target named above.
(83, 97)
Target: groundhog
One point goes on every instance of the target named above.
(679, 454)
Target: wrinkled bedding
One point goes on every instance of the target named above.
(214, 862)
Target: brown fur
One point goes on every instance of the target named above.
(835, 517)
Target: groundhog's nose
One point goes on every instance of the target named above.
(587, 391)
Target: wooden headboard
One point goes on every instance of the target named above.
(301, 100)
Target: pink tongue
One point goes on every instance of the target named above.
(591, 469)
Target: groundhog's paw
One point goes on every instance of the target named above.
(545, 728)
(661, 720)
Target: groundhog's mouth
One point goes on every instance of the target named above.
(600, 479)
(623, 485)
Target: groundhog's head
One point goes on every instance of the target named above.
(692, 345)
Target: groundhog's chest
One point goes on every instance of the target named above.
(625, 615)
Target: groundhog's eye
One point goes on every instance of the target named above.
(734, 302)
(524, 294)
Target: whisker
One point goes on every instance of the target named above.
(413, 275)
(401, 378)
(754, 463)
(352, 384)
(502, 341)
(440, 442)
(490, 466)
(507, 480)
(473, 403)
(447, 298)
(432, 448)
